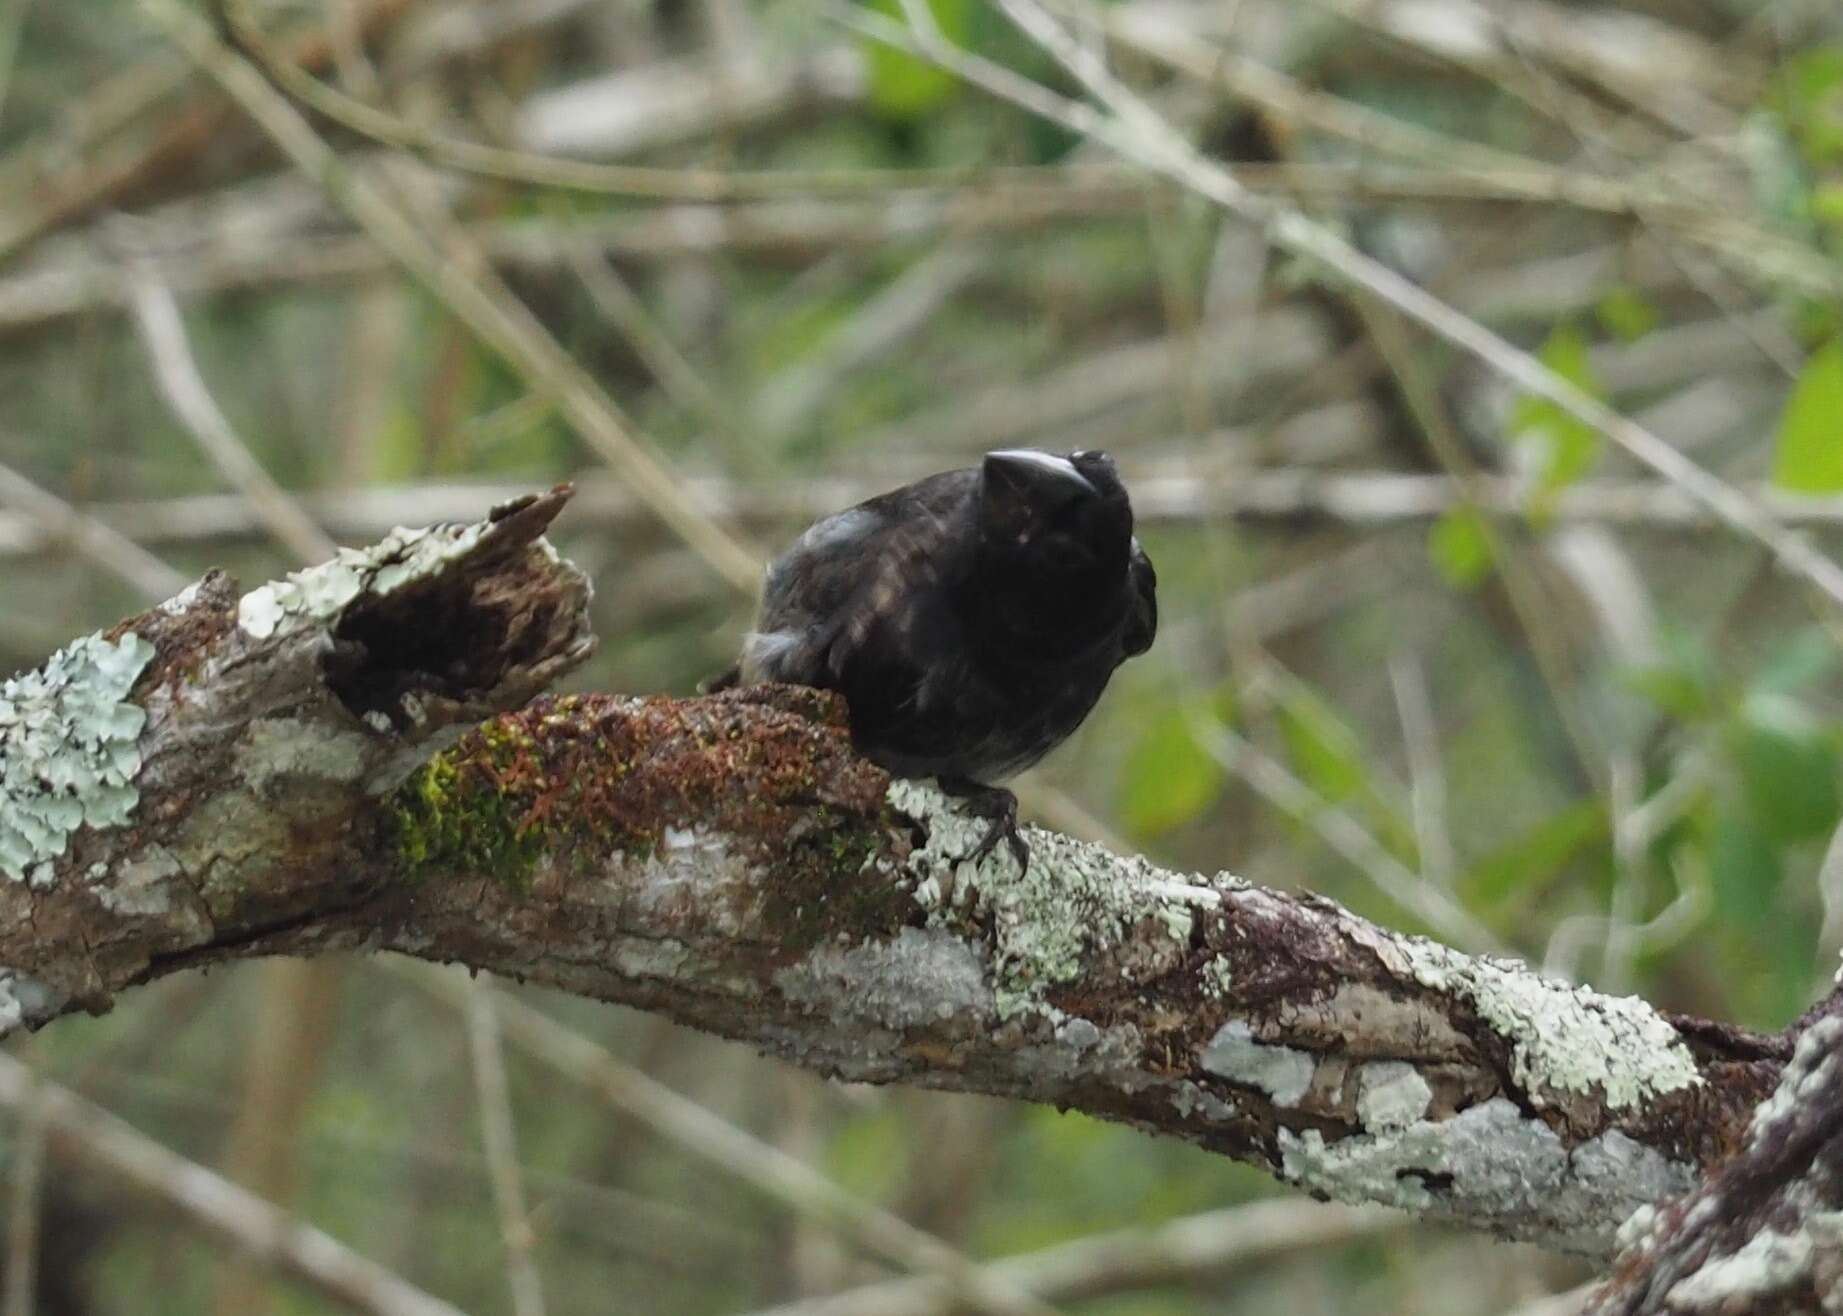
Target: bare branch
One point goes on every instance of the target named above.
(109, 549)
(1190, 1250)
(240, 1219)
(1136, 132)
(163, 333)
(470, 290)
(499, 1139)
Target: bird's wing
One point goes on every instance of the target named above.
(854, 573)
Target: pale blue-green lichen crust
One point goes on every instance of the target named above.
(1563, 1039)
(1492, 1163)
(1074, 900)
(317, 595)
(68, 751)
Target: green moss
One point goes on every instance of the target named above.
(448, 817)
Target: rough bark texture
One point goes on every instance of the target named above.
(278, 773)
(1763, 1235)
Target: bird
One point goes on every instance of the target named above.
(971, 620)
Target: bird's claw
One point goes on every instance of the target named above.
(999, 807)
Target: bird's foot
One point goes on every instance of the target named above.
(998, 807)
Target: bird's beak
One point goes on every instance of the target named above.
(1040, 479)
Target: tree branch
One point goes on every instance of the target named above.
(277, 773)
(1762, 1235)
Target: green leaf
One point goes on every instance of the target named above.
(1827, 204)
(1627, 314)
(1324, 751)
(903, 86)
(1798, 662)
(1744, 867)
(1788, 771)
(1567, 448)
(1685, 684)
(1170, 778)
(1460, 545)
(1537, 856)
(1810, 444)
(1809, 96)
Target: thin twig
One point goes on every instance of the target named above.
(629, 314)
(163, 334)
(1136, 132)
(25, 1209)
(476, 296)
(1280, 496)
(104, 546)
(1346, 836)
(499, 1140)
(238, 1218)
(695, 1130)
(1426, 778)
(1190, 1250)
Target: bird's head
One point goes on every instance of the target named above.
(1060, 513)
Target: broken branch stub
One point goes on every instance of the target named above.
(197, 772)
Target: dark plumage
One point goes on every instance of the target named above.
(971, 619)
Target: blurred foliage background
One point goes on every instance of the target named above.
(1430, 646)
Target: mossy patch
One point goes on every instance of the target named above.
(570, 781)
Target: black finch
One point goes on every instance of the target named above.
(971, 619)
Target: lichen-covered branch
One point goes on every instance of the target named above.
(1763, 1235)
(198, 777)
(278, 773)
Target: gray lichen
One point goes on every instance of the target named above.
(918, 978)
(1391, 1094)
(1490, 1164)
(1282, 1072)
(25, 1001)
(68, 751)
(318, 594)
(278, 747)
(1218, 977)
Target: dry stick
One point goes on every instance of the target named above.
(114, 552)
(883, 320)
(1349, 838)
(163, 334)
(1187, 1251)
(258, 1156)
(1136, 133)
(1515, 175)
(53, 290)
(233, 1215)
(1357, 500)
(1765, 252)
(712, 1139)
(499, 1141)
(1426, 775)
(26, 1209)
(624, 309)
(479, 299)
